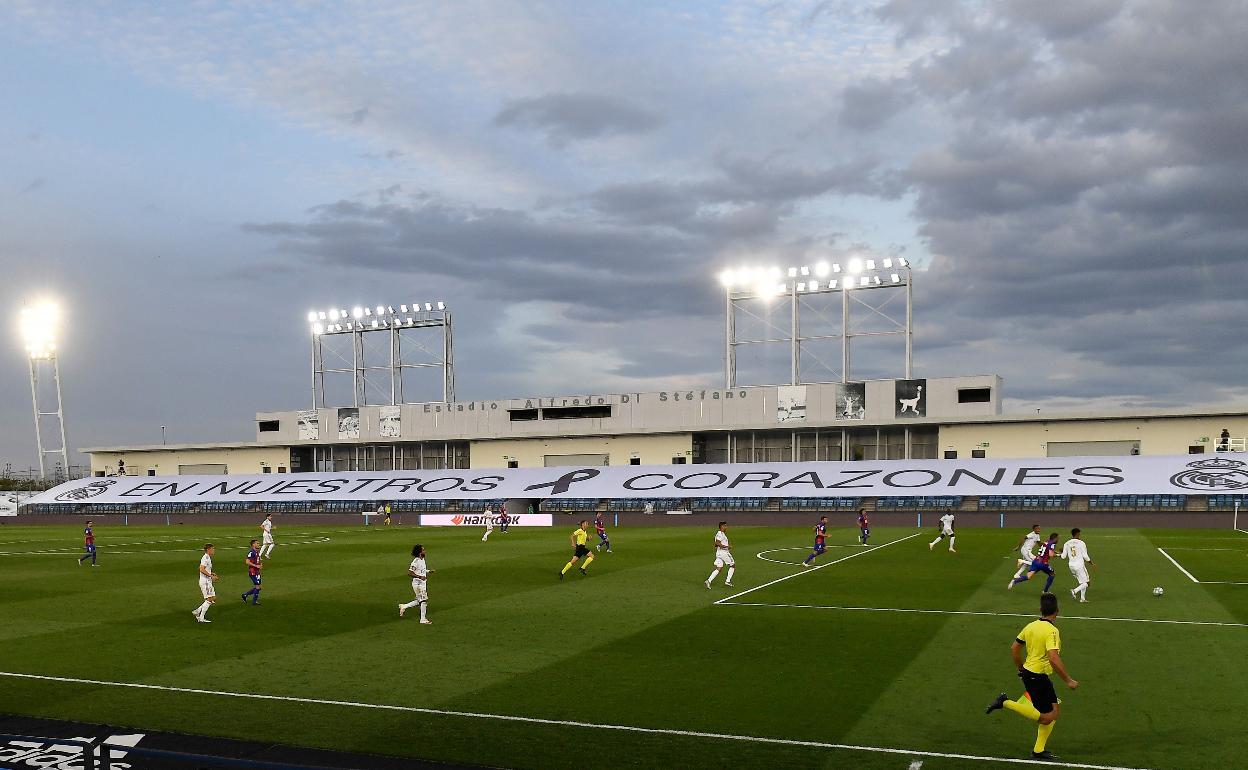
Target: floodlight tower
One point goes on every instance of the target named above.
(39, 324)
(802, 284)
(375, 320)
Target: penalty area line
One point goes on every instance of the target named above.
(816, 569)
(984, 614)
(554, 722)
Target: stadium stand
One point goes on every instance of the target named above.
(1137, 502)
(730, 503)
(940, 503)
(288, 506)
(1227, 502)
(821, 503)
(1024, 503)
(569, 505)
(634, 504)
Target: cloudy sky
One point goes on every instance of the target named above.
(1071, 178)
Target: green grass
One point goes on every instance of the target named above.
(637, 643)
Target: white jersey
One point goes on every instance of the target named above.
(421, 571)
(266, 527)
(1030, 542)
(946, 524)
(722, 552)
(205, 583)
(1075, 551)
(489, 519)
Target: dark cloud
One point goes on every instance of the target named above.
(569, 117)
(358, 117)
(34, 186)
(868, 105)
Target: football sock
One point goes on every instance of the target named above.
(1042, 736)
(1049, 583)
(410, 604)
(810, 558)
(257, 599)
(203, 608)
(1020, 579)
(1023, 708)
(567, 567)
(933, 543)
(951, 539)
(588, 561)
(423, 609)
(714, 574)
(728, 577)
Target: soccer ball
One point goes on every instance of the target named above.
(1158, 591)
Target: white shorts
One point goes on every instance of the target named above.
(947, 533)
(206, 588)
(268, 539)
(421, 589)
(1027, 556)
(1080, 573)
(724, 558)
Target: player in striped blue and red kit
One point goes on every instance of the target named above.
(1040, 564)
(821, 538)
(864, 526)
(253, 571)
(88, 544)
(600, 525)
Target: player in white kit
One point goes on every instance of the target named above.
(420, 585)
(946, 531)
(206, 578)
(1075, 552)
(723, 556)
(266, 535)
(1027, 549)
(489, 523)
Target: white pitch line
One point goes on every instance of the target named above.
(816, 569)
(1180, 566)
(759, 555)
(983, 614)
(557, 722)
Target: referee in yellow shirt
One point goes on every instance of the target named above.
(579, 550)
(1043, 644)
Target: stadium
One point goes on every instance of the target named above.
(533, 524)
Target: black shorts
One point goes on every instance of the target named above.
(1040, 688)
(581, 551)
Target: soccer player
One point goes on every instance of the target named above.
(600, 525)
(1040, 564)
(489, 523)
(266, 535)
(504, 519)
(946, 531)
(88, 544)
(386, 511)
(206, 578)
(253, 571)
(420, 585)
(821, 537)
(1042, 642)
(579, 549)
(864, 526)
(1027, 549)
(723, 556)
(1075, 551)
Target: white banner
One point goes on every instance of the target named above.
(885, 478)
(478, 520)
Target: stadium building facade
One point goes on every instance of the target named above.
(874, 420)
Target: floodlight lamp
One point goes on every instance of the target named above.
(876, 280)
(375, 323)
(896, 278)
(805, 270)
(832, 284)
(864, 281)
(903, 262)
(792, 272)
(368, 311)
(813, 285)
(836, 267)
(821, 269)
(410, 321)
(38, 327)
(390, 309)
(727, 278)
(311, 316)
(855, 265)
(318, 329)
(870, 264)
(402, 308)
(333, 315)
(321, 315)
(381, 310)
(888, 263)
(441, 305)
(357, 312)
(428, 307)
(775, 272)
(801, 286)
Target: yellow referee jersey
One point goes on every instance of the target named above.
(1040, 636)
(580, 536)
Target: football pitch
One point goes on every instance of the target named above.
(882, 657)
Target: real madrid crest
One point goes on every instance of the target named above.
(1213, 475)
